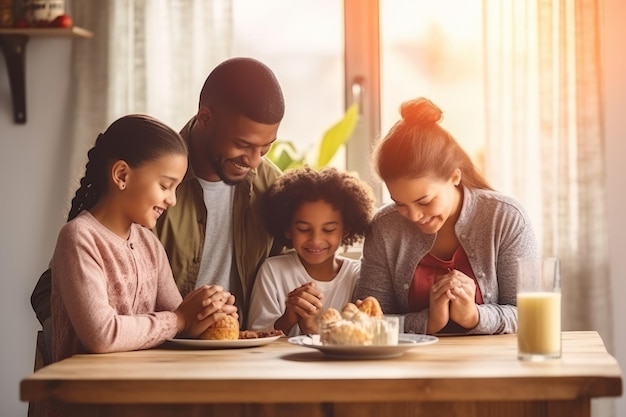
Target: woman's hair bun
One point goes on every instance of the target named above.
(420, 111)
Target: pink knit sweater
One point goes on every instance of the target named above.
(110, 294)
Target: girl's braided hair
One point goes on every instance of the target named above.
(136, 139)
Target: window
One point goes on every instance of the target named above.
(302, 42)
(434, 49)
(395, 50)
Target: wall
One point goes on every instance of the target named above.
(615, 130)
(33, 193)
(33, 202)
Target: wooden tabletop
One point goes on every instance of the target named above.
(465, 368)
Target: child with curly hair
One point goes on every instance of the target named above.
(314, 213)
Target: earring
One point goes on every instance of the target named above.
(122, 186)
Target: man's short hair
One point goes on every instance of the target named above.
(248, 87)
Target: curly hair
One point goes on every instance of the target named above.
(346, 193)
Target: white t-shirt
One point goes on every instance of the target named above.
(217, 254)
(279, 275)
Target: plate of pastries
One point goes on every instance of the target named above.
(361, 332)
(225, 334)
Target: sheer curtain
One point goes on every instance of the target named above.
(545, 140)
(146, 56)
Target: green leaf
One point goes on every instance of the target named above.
(337, 135)
(285, 155)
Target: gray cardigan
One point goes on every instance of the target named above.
(493, 229)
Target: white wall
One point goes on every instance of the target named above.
(32, 201)
(615, 129)
(33, 193)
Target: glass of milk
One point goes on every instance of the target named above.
(539, 309)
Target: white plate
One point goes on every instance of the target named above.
(406, 341)
(224, 344)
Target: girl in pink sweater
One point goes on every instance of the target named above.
(112, 286)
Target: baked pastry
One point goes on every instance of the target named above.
(362, 326)
(225, 329)
(371, 307)
(330, 316)
(346, 332)
(349, 310)
(259, 334)
(361, 319)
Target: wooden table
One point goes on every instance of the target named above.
(458, 376)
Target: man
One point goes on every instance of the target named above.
(215, 233)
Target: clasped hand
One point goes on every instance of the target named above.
(452, 297)
(303, 307)
(203, 307)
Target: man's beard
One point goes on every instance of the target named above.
(219, 170)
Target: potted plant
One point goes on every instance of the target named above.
(286, 156)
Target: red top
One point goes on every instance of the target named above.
(428, 272)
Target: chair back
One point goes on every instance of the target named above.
(37, 409)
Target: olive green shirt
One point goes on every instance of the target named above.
(182, 229)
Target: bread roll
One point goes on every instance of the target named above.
(345, 332)
(357, 326)
(371, 307)
(349, 310)
(225, 329)
(330, 316)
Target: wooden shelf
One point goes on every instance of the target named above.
(13, 45)
(48, 32)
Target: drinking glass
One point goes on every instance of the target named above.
(539, 309)
(400, 321)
